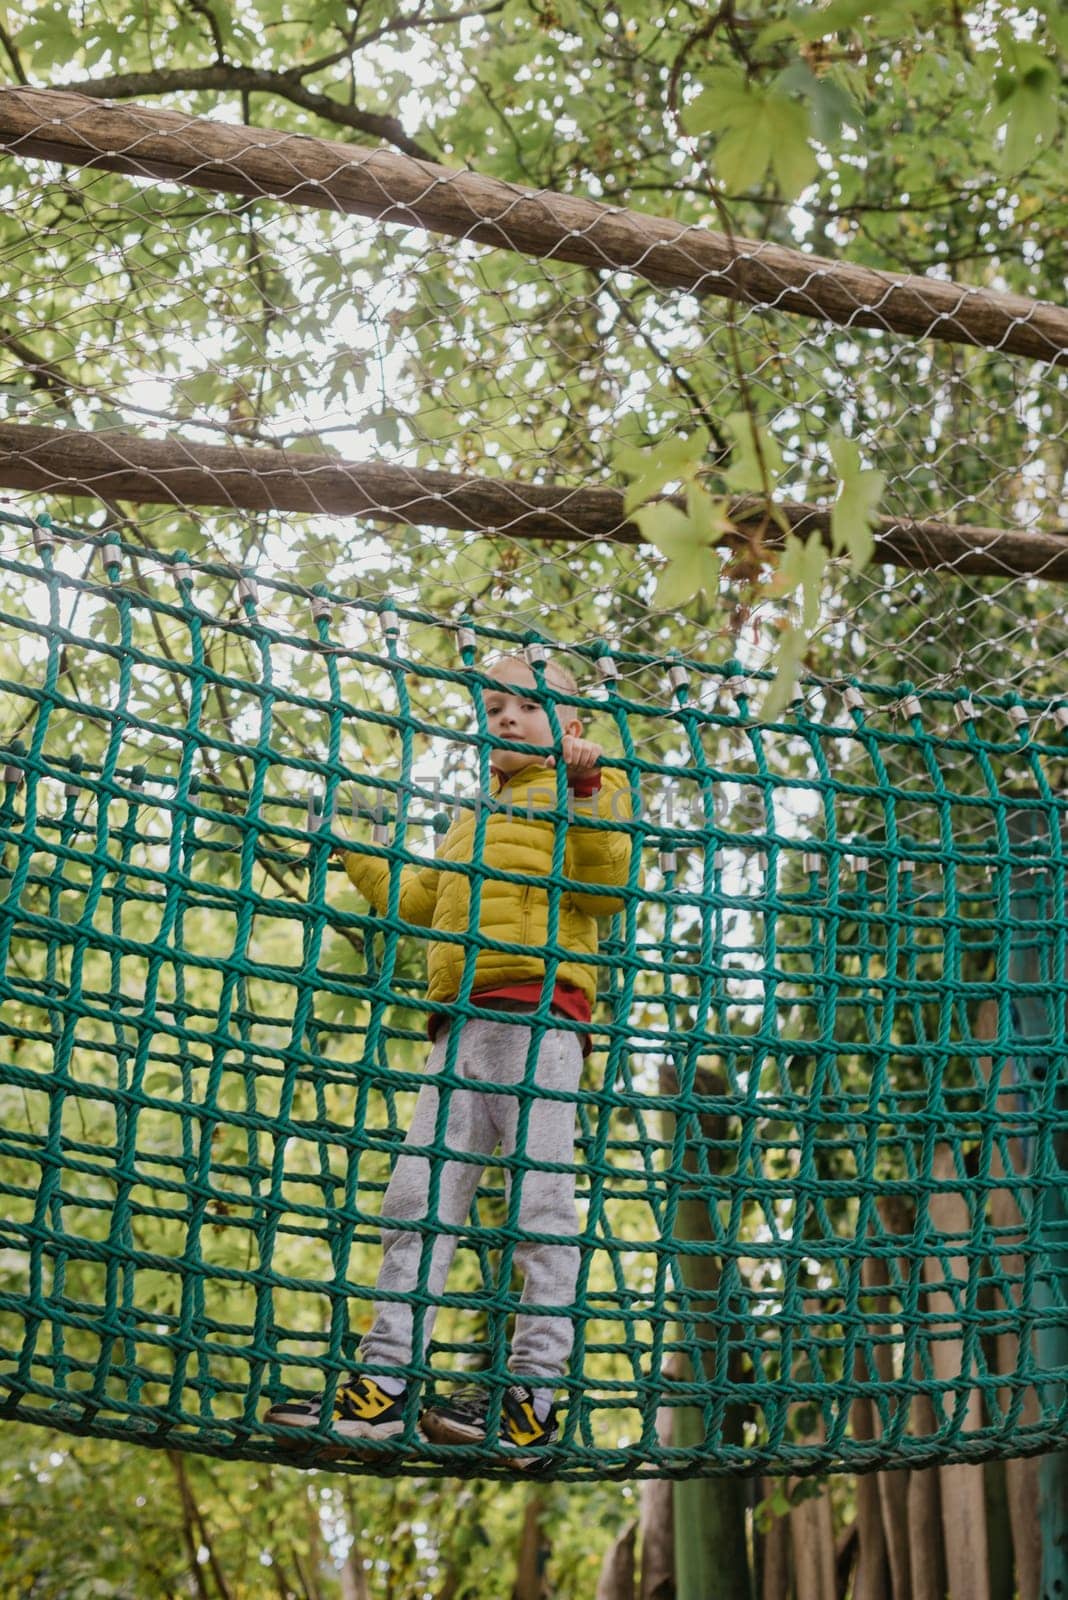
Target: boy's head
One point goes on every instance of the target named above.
(514, 710)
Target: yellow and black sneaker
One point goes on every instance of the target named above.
(362, 1410)
(461, 1419)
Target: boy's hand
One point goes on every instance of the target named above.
(581, 756)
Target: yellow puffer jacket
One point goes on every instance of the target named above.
(437, 898)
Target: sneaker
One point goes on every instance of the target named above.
(362, 1410)
(461, 1419)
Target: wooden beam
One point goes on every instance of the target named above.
(145, 141)
(175, 471)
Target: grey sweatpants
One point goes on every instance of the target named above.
(488, 1053)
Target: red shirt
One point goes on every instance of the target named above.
(567, 1001)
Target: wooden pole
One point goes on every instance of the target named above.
(175, 471)
(146, 141)
(709, 1514)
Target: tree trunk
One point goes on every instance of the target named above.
(872, 1580)
(926, 1554)
(656, 1526)
(1021, 1492)
(894, 1506)
(963, 1503)
(1021, 1473)
(998, 1530)
(616, 1581)
(812, 1525)
(775, 1555)
(892, 1487)
(845, 1555)
(354, 1584)
(922, 1494)
(531, 1579)
(812, 1546)
(711, 1548)
(195, 1532)
(354, 1579)
(872, 1574)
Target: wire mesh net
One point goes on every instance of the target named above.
(189, 319)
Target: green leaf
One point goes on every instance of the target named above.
(813, 566)
(752, 470)
(724, 101)
(859, 492)
(757, 128)
(673, 460)
(840, 14)
(797, 78)
(743, 154)
(775, 33)
(1057, 23)
(788, 658)
(833, 108)
(685, 538)
(830, 102)
(1032, 120)
(1025, 96)
(793, 159)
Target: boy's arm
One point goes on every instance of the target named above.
(600, 855)
(418, 887)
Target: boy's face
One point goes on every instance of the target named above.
(514, 712)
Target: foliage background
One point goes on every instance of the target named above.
(912, 137)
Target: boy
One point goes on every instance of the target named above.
(370, 1403)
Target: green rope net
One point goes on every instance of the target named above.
(820, 1134)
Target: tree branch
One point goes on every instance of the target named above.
(44, 375)
(231, 78)
(679, 378)
(190, 1535)
(13, 55)
(406, 24)
(205, 11)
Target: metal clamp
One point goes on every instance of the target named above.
(44, 536)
